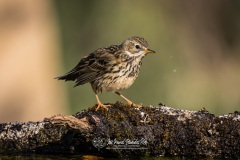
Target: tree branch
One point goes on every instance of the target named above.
(127, 131)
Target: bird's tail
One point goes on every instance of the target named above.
(70, 76)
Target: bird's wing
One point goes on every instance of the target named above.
(92, 66)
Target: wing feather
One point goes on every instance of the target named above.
(85, 78)
(92, 66)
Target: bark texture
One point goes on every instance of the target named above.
(127, 131)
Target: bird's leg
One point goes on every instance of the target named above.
(130, 103)
(100, 104)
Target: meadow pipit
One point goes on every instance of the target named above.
(110, 69)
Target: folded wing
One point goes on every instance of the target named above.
(91, 67)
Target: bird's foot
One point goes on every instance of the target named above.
(133, 104)
(100, 105)
(130, 103)
(136, 105)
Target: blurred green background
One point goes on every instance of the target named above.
(196, 42)
(196, 64)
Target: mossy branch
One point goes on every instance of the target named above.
(146, 131)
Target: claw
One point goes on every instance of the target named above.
(130, 103)
(100, 105)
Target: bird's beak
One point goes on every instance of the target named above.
(149, 51)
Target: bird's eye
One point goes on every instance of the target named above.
(137, 46)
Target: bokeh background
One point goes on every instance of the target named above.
(196, 64)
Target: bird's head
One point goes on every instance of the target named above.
(136, 47)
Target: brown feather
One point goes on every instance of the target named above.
(92, 66)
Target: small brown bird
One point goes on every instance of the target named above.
(110, 69)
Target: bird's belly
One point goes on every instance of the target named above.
(120, 84)
(117, 80)
(106, 85)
